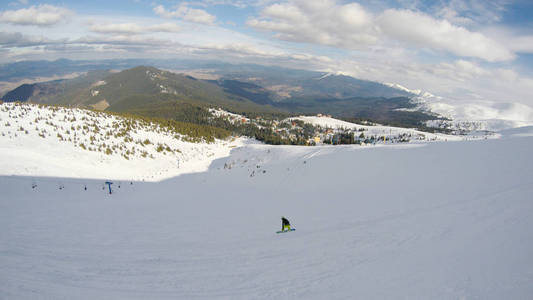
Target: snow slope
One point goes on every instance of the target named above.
(54, 141)
(413, 221)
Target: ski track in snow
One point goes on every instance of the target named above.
(433, 221)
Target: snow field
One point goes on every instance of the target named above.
(433, 221)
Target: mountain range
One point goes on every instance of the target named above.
(246, 89)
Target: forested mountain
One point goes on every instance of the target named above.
(247, 89)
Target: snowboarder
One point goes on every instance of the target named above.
(285, 224)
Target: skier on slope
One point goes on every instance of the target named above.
(285, 224)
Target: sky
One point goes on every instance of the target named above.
(468, 50)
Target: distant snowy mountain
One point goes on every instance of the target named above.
(419, 93)
(481, 115)
(472, 115)
(387, 131)
(54, 141)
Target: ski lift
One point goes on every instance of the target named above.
(109, 183)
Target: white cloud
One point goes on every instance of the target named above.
(18, 3)
(133, 28)
(459, 70)
(41, 15)
(424, 31)
(321, 22)
(121, 40)
(17, 39)
(517, 39)
(508, 75)
(242, 49)
(460, 80)
(471, 11)
(453, 16)
(186, 13)
(164, 27)
(123, 28)
(251, 53)
(522, 44)
(350, 26)
(235, 3)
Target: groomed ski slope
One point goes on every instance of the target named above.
(435, 221)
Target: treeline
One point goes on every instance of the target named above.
(346, 138)
(202, 123)
(194, 132)
(264, 132)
